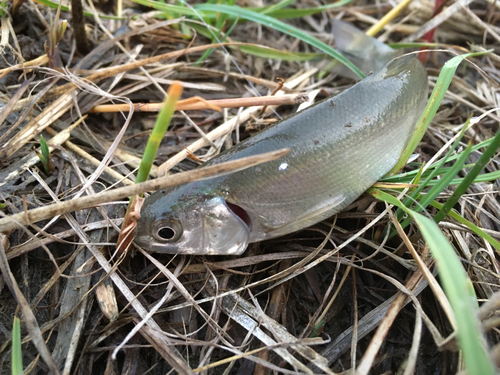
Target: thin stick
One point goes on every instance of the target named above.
(387, 18)
(41, 60)
(42, 213)
(188, 104)
(114, 70)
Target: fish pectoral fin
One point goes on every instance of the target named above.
(310, 218)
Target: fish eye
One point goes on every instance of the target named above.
(167, 231)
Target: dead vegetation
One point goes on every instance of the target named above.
(335, 297)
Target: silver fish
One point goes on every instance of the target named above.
(338, 149)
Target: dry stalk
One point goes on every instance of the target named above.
(39, 61)
(78, 150)
(42, 213)
(228, 126)
(112, 71)
(189, 105)
(35, 126)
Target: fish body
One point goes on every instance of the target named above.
(338, 148)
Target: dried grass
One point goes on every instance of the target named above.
(325, 300)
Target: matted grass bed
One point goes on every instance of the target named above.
(403, 281)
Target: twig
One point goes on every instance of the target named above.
(42, 213)
(114, 70)
(188, 104)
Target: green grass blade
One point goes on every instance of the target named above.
(280, 26)
(172, 9)
(263, 51)
(159, 130)
(415, 195)
(44, 147)
(278, 6)
(44, 156)
(437, 96)
(17, 355)
(460, 293)
(444, 182)
(441, 163)
(457, 287)
(290, 13)
(275, 11)
(208, 52)
(485, 177)
(417, 45)
(209, 11)
(471, 176)
(64, 8)
(474, 228)
(437, 188)
(408, 176)
(270, 53)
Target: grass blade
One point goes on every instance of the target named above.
(471, 176)
(263, 19)
(436, 189)
(222, 39)
(437, 96)
(64, 8)
(267, 53)
(444, 182)
(290, 13)
(460, 293)
(280, 26)
(441, 163)
(458, 289)
(159, 130)
(17, 355)
(278, 6)
(474, 228)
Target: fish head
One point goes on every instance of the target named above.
(185, 221)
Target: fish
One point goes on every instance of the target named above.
(339, 147)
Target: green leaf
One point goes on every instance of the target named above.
(484, 159)
(263, 51)
(437, 96)
(159, 130)
(54, 5)
(438, 187)
(457, 287)
(272, 8)
(208, 52)
(263, 20)
(289, 13)
(44, 156)
(407, 177)
(169, 9)
(474, 228)
(416, 45)
(44, 147)
(283, 27)
(271, 53)
(17, 355)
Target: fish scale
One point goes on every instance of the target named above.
(338, 148)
